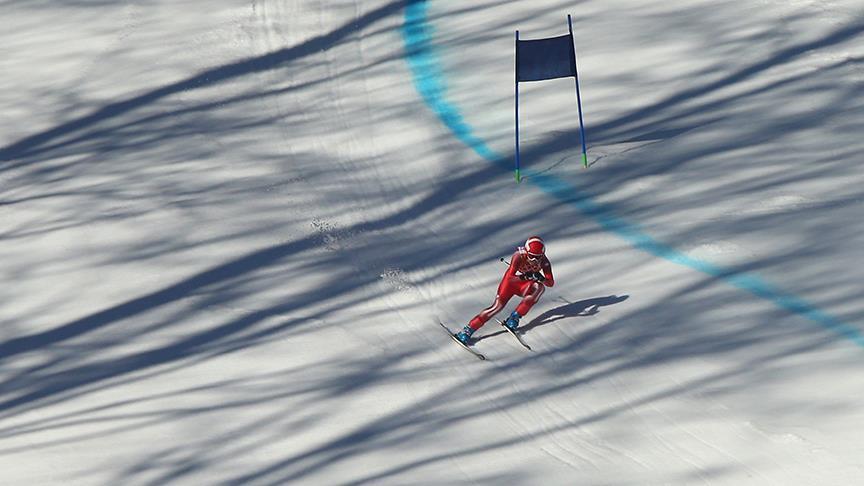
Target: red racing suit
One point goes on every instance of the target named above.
(513, 283)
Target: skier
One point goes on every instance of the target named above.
(528, 276)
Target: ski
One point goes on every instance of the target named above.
(515, 334)
(460, 343)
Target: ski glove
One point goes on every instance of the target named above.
(534, 276)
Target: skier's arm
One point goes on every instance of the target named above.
(547, 272)
(515, 262)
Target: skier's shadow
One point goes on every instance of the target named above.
(582, 308)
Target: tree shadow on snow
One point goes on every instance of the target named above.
(66, 360)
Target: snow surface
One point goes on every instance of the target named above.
(227, 229)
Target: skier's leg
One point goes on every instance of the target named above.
(531, 292)
(505, 291)
(477, 322)
(487, 313)
(531, 296)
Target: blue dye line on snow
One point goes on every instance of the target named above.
(429, 81)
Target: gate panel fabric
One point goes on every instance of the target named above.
(549, 58)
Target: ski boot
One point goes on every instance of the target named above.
(464, 335)
(512, 322)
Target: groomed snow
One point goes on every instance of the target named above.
(227, 229)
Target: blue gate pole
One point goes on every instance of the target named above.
(578, 97)
(518, 175)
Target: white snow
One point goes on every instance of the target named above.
(227, 229)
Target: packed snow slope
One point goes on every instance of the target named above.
(227, 230)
